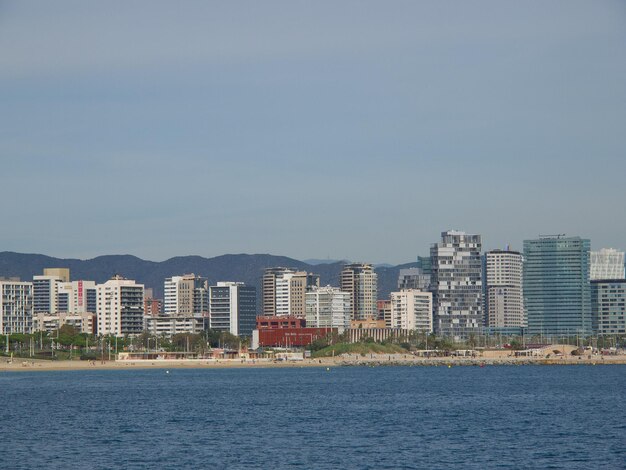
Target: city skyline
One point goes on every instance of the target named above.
(160, 130)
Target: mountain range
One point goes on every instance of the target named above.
(234, 267)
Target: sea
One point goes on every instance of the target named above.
(512, 417)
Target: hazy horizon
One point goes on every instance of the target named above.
(357, 130)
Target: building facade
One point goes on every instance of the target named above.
(456, 284)
(504, 298)
(232, 308)
(361, 281)
(185, 295)
(151, 305)
(76, 297)
(413, 278)
(120, 307)
(170, 325)
(83, 322)
(16, 307)
(557, 292)
(384, 312)
(608, 306)
(607, 263)
(284, 291)
(412, 309)
(328, 307)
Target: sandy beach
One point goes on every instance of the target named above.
(24, 365)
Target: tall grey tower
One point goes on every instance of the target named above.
(456, 283)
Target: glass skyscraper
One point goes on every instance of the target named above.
(557, 292)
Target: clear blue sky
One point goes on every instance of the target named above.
(350, 129)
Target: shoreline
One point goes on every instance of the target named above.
(25, 365)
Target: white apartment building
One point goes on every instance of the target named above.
(82, 322)
(608, 263)
(120, 307)
(328, 307)
(76, 297)
(504, 296)
(170, 325)
(16, 306)
(412, 309)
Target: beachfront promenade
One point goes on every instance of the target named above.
(491, 358)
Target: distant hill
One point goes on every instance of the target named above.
(240, 267)
(316, 261)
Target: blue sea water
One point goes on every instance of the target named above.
(310, 418)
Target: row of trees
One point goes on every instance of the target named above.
(67, 340)
(416, 340)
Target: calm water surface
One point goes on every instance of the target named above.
(371, 418)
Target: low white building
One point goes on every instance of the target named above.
(412, 309)
(82, 322)
(328, 307)
(170, 325)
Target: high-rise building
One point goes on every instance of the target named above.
(412, 309)
(46, 289)
(284, 291)
(557, 295)
(328, 307)
(413, 278)
(76, 297)
(361, 282)
(456, 284)
(120, 307)
(16, 306)
(504, 299)
(232, 308)
(608, 306)
(607, 263)
(186, 295)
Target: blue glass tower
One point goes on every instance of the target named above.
(557, 292)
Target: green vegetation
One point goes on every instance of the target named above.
(68, 343)
(363, 349)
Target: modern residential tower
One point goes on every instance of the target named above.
(608, 306)
(120, 307)
(186, 295)
(361, 282)
(284, 291)
(504, 300)
(232, 308)
(16, 306)
(456, 284)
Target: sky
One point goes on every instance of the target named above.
(312, 129)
